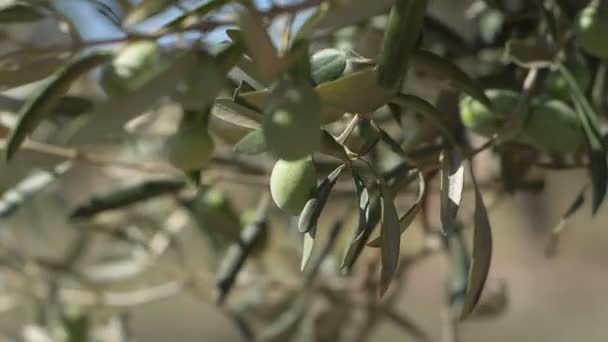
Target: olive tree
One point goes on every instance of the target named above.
(341, 119)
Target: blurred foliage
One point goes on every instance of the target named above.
(294, 140)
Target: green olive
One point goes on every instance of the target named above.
(483, 120)
(557, 85)
(190, 148)
(327, 65)
(292, 183)
(292, 121)
(553, 127)
(134, 64)
(591, 28)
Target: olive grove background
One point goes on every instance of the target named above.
(102, 239)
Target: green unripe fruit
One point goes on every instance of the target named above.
(292, 121)
(481, 119)
(133, 66)
(591, 29)
(190, 148)
(557, 85)
(327, 65)
(553, 127)
(292, 183)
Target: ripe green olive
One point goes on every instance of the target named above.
(190, 148)
(292, 121)
(483, 120)
(134, 64)
(327, 65)
(591, 28)
(553, 127)
(292, 183)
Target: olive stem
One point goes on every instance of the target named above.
(349, 129)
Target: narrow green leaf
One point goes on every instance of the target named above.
(429, 112)
(231, 111)
(596, 145)
(528, 54)
(401, 35)
(42, 103)
(346, 14)
(253, 143)
(452, 185)
(408, 218)
(390, 236)
(460, 265)
(482, 252)
(556, 233)
(364, 228)
(127, 196)
(27, 71)
(314, 206)
(307, 247)
(446, 69)
(260, 46)
(337, 96)
(19, 12)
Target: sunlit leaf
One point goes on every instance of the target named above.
(253, 143)
(528, 54)
(45, 100)
(314, 206)
(452, 185)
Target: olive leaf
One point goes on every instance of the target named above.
(127, 196)
(452, 185)
(390, 236)
(110, 272)
(400, 37)
(528, 54)
(367, 207)
(460, 265)
(260, 46)
(16, 74)
(482, 252)
(408, 217)
(556, 232)
(253, 143)
(44, 101)
(18, 12)
(147, 9)
(430, 112)
(446, 69)
(596, 145)
(228, 110)
(337, 96)
(313, 207)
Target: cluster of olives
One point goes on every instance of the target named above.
(292, 130)
(551, 125)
